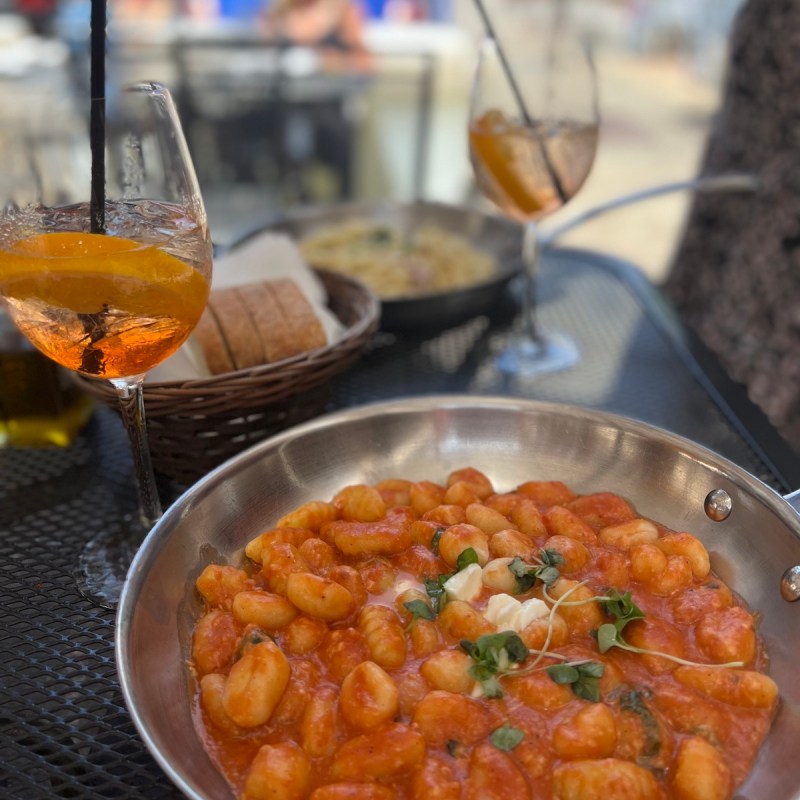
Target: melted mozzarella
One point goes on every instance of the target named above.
(465, 585)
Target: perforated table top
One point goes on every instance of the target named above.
(64, 729)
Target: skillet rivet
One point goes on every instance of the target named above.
(718, 505)
(790, 584)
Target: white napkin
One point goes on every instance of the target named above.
(264, 256)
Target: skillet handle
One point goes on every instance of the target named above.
(793, 499)
(790, 580)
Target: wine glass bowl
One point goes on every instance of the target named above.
(530, 170)
(102, 305)
(108, 286)
(533, 133)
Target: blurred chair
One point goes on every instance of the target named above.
(736, 274)
(262, 112)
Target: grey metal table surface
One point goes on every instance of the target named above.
(64, 729)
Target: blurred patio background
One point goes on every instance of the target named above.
(660, 67)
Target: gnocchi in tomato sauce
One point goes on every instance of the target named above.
(448, 641)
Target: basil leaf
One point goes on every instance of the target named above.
(506, 738)
(435, 586)
(435, 540)
(435, 590)
(419, 610)
(634, 702)
(380, 236)
(465, 558)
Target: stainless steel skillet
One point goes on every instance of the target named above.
(755, 548)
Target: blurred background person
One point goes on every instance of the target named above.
(40, 14)
(142, 10)
(333, 28)
(320, 129)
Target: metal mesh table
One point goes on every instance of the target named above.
(64, 729)
(636, 360)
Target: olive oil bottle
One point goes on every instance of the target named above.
(39, 403)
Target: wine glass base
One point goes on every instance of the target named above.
(550, 352)
(104, 562)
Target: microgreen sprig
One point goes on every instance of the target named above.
(493, 654)
(556, 604)
(582, 677)
(506, 737)
(608, 636)
(544, 569)
(614, 603)
(620, 606)
(499, 654)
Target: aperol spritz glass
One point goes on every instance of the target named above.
(108, 287)
(533, 134)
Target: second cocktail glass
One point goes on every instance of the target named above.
(532, 139)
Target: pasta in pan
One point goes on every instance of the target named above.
(448, 641)
(430, 260)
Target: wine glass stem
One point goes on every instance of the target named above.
(131, 403)
(531, 252)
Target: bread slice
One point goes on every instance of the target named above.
(237, 328)
(260, 323)
(272, 327)
(305, 328)
(212, 343)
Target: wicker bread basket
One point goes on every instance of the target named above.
(195, 425)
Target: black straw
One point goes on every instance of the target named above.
(97, 117)
(520, 100)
